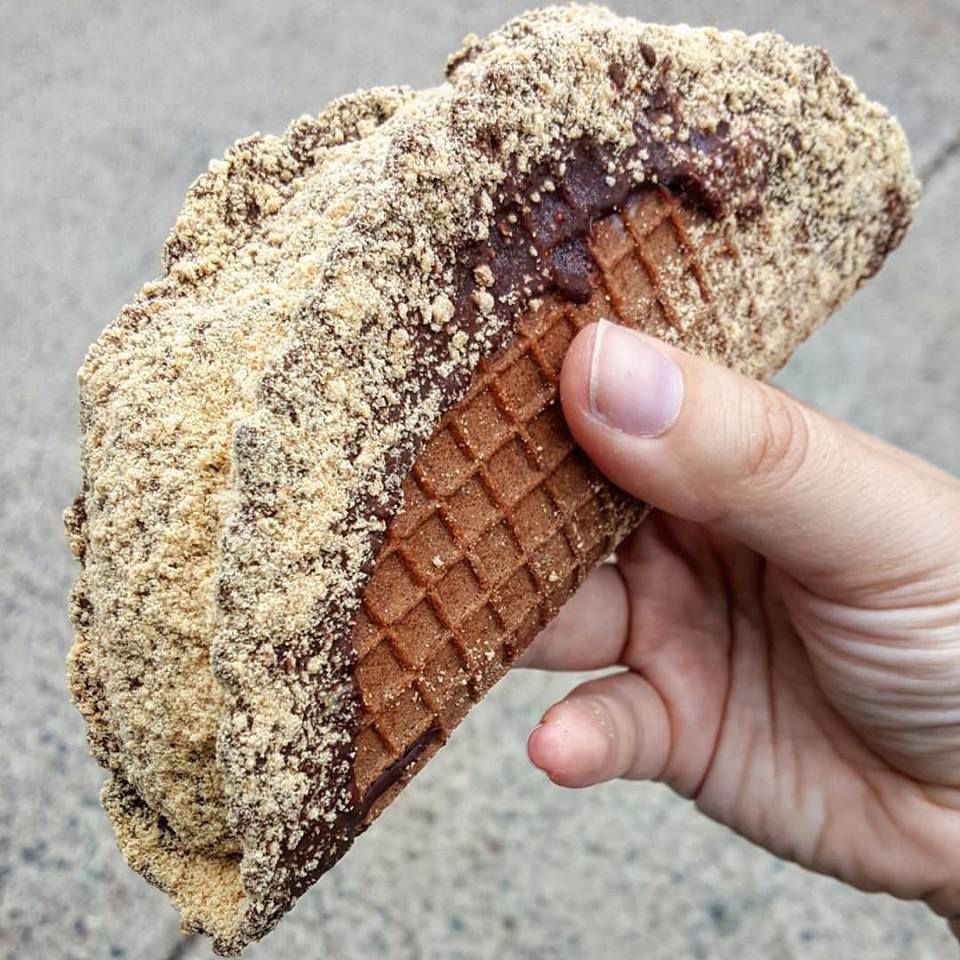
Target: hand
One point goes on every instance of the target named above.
(787, 621)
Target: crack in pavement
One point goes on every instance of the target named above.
(940, 159)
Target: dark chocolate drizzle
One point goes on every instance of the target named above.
(393, 774)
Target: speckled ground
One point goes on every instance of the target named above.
(107, 111)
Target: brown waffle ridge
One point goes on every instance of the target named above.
(503, 514)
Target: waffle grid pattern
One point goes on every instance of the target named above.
(503, 515)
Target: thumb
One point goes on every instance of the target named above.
(704, 443)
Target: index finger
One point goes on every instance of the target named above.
(589, 632)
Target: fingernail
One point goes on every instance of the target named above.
(633, 386)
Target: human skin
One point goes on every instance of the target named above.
(787, 622)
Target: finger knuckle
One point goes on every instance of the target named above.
(777, 440)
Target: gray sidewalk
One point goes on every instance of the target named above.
(107, 111)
